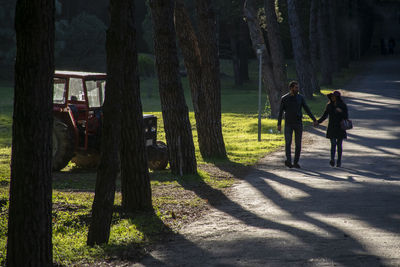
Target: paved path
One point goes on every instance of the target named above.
(318, 215)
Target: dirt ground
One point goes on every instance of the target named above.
(316, 215)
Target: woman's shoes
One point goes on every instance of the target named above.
(288, 164)
(332, 163)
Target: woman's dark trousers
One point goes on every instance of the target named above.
(336, 142)
(298, 131)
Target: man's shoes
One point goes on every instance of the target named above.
(296, 165)
(288, 164)
(332, 163)
(338, 164)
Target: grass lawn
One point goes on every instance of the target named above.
(176, 200)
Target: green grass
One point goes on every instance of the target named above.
(73, 195)
(6, 105)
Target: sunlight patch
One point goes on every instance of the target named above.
(287, 192)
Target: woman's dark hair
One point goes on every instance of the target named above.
(337, 95)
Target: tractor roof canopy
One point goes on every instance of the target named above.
(79, 74)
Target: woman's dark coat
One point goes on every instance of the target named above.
(335, 117)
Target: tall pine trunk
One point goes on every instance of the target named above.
(211, 142)
(355, 40)
(301, 52)
(209, 139)
(135, 180)
(175, 111)
(243, 51)
(257, 38)
(109, 167)
(29, 241)
(344, 33)
(324, 45)
(234, 44)
(332, 13)
(276, 47)
(314, 39)
(191, 53)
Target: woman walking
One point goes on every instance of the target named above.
(336, 109)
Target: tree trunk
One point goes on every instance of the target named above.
(175, 111)
(135, 180)
(314, 40)
(344, 33)
(189, 44)
(109, 167)
(243, 51)
(212, 142)
(324, 46)
(331, 5)
(234, 43)
(29, 241)
(300, 51)
(276, 47)
(355, 42)
(256, 35)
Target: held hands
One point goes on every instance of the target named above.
(315, 123)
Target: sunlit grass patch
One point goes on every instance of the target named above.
(3, 223)
(241, 137)
(5, 158)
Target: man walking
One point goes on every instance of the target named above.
(292, 104)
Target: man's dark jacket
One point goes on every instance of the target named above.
(292, 105)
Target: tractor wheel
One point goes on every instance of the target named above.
(86, 160)
(158, 156)
(63, 145)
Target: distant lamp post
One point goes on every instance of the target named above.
(260, 50)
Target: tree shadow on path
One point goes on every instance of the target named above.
(313, 216)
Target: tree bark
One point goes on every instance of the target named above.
(212, 143)
(175, 111)
(135, 180)
(301, 52)
(276, 47)
(210, 140)
(257, 38)
(324, 46)
(344, 33)
(355, 41)
(243, 51)
(29, 240)
(234, 43)
(331, 5)
(109, 167)
(314, 40)
(191, 53)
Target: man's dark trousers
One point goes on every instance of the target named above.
(297, 128)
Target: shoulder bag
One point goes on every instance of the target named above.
(346, 124)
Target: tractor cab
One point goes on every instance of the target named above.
(78, 98)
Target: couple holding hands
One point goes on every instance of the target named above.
(292, 104)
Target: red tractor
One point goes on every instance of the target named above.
(77, 107)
